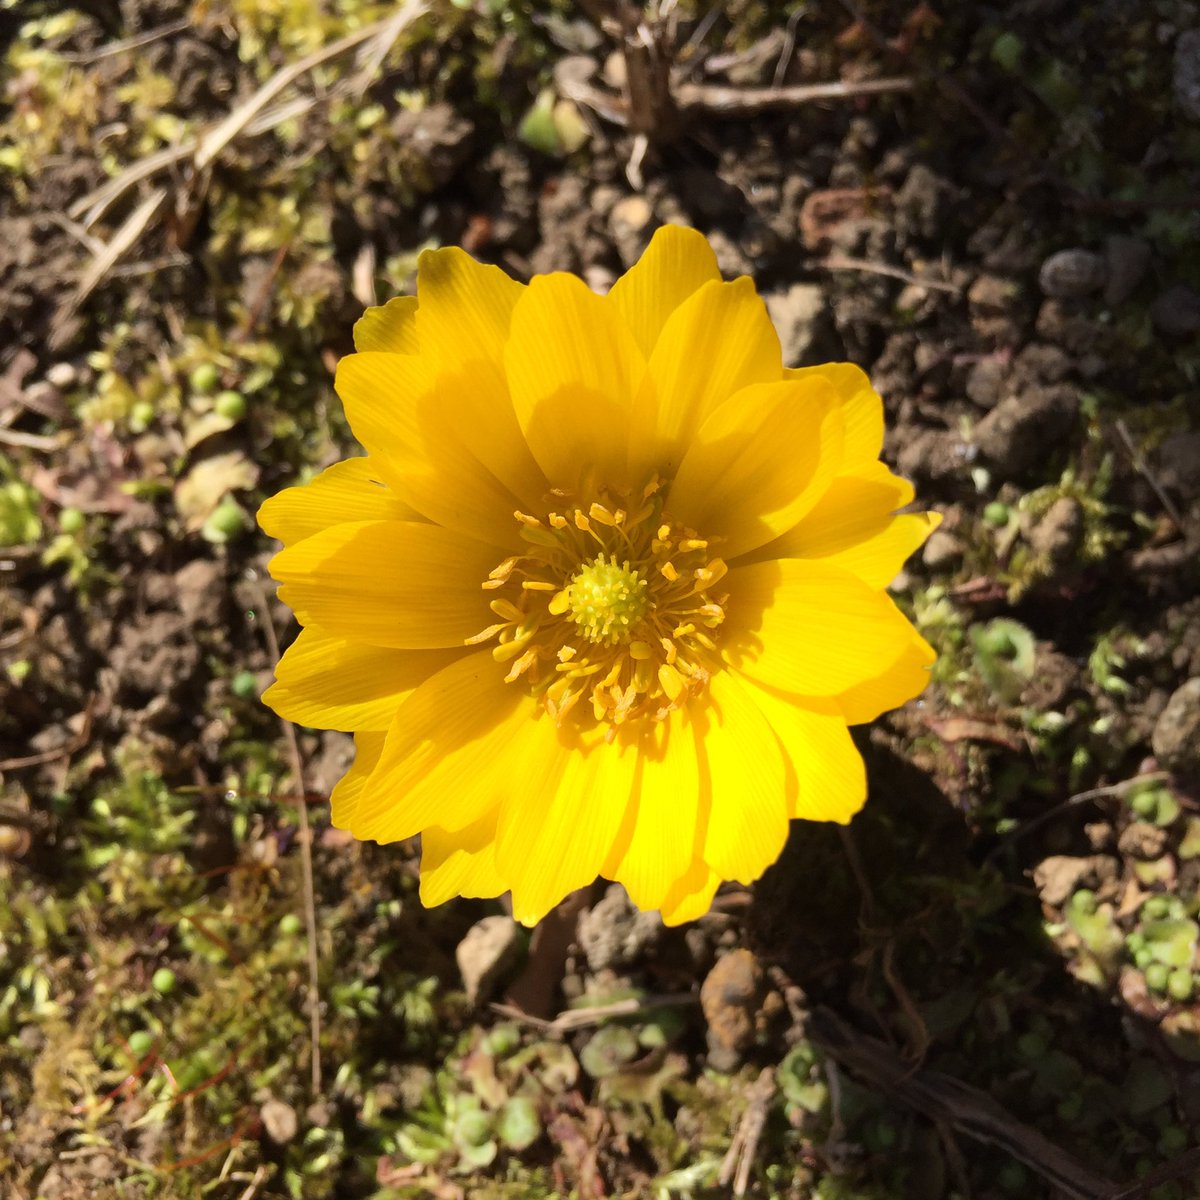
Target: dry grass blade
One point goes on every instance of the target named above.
(213, 142)
(122, 242)
(88, 209)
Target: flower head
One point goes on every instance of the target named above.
(607, 588)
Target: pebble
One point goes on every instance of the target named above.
(614, 934)
(1176, 737)
(631, 223)
(1022, 429)
(1185, 83)
(943, 550)
(1176, 312)
(279, 1120)
(1072, 274)
(486, 955)
(800, 316)
(985, 383)
(1056, 536)
(731, 997)
(1142, 840)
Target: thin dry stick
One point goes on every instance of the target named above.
(839, 262)
(306, 865)
(1139, 464)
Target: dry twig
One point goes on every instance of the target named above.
(305, 840)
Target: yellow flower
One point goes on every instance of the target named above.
(607, 589)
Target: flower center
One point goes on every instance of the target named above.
(611, 601)
(607, 600)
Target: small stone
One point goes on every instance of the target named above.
(1176, 312)
(600, 279)
(62, 375)
(1127, 259)
(614, 934)
(1142, 840)
(1072, 274)
(486, 955)
(1023, 429)
(993, 295)
(631, 223)
(1176, 737)
(1185, 83)
(942, 551)
(985, 383)
(731, 997)
(1056, 536)
(280, 1121)
(1058, 877)
(801, 317)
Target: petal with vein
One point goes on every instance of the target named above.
(573, 370)
(391, 327)
(742, 771)
(861, 407)
(827, 780)
(677, 262)
(810, 629)
(343, 800)
(462, 863)
(759, 463)
(352, 490)
(559, 823)
(402, 584)
(455, 749)
(903, 680)
(718, 341)
(411, 428)
(692, 896)
(337, 683)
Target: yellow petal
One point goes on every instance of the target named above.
(759, 463)
(677, 262)
(411, 429)
(343, 800)
(852, 527)
(462, 863)
(391, 327)
(333, 683)
(463, 323)
(391, 583)
(861, 407)
(573, 369)
(903, 680)
(715, 343)
(810, 629)
(455, 749)
(692, 896)
(561, 818)
(352, 490)
(827, 780)
(662, 837)
(742, 771)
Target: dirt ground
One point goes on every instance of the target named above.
(988, 988)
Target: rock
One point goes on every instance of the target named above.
(1022, 430)
(801, 317)
(985, 383)
(1176, 312)
(631, 224)
(934, 454)
(486, 955)
(1176, 737)
(1058, 877)
(1127, 259)
(731, 997)
(1185, 82)
(921, 201)
(613, 934)
(993, 295)
(1177, 464)
(280, 1121)
(942, 551)
(1056, 536)
(1041, 362)
(1072, 274)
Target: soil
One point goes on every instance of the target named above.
(1009, 931)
